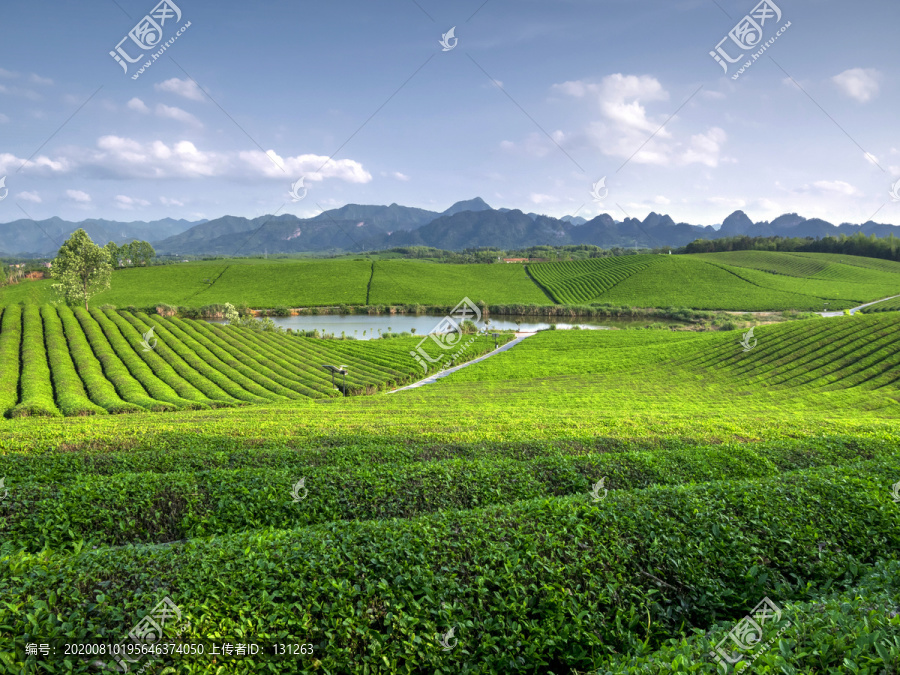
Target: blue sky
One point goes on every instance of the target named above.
(535, 103)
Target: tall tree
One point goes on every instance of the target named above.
(82, 268)
(115, 252)
(141, 252)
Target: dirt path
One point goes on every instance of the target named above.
(444, 373)
(855, 309)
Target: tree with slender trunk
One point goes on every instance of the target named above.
(82, 269)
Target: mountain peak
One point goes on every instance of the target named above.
(477, 204)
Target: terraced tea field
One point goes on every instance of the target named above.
(409, 281)
(738, 281)
(463, 527)
(891, 305)
(584, 281)
(60, 361)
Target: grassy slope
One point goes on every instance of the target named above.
(487, 474)
(100, 359)
(409, 281)
(743, 280)
(690, 281)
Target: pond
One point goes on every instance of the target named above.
(367, 326)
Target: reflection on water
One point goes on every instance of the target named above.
(365, 326)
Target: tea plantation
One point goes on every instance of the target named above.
(585, 502)
(739, 281)
(59, 361)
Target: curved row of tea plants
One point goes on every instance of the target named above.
(58, 360)
(584, 281)
(891, 305)
(149, 507)
(535, 583)
(855, 629)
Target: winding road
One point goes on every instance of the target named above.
(444, 373)
(855, 309)
(521, 336)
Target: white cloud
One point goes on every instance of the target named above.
(662, 201)
(732, 203)
(30, 197)
(705, 148)
(165, 201)
(137, 104)
(42, 165)
(177, 114)
(858, 83)
(78, 196)
(625, 129)
(537, 198)
(312, 167)
(124, 158)
(400, 176)
(536, 144)
(37, 79)
(30, 94)
(7, 73)
(185, 88)
(835, 187)
(819, 189)
(3, 119)
(129, 203)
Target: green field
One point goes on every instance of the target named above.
(472, 504)
(738, 281)
(742, 280)
(891, 305)
(60, 361)
(585, 281)
(409, 281)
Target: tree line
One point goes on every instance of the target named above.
(82, 269)
(859, 244)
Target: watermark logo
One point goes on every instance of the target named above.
(148, 34)
(747, 635)
(748, 34)
(299, 485)
(148, 336)
(447, 335)
(4, 491)
(596, 189)
(3, 188)
(895, 491)
(745, 340)
(447, 37)
(895, 191)
(151, 629)
(595, 491)
(445, 640)
(296, 194)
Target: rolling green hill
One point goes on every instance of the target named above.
(59, 361)
(474, 504)
(408, 281)
(739, 281)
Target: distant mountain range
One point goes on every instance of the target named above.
(466, 224)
